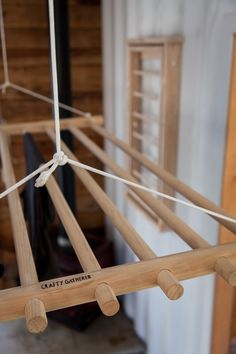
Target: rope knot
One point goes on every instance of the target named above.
(60, 158)
(42, 178)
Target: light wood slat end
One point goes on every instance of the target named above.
(226, 269)
(36, 319)
(106, 300)
(170, 285)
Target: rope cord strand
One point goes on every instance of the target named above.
(26, 179)
(54, 74)
(150, 190)
(47, 99)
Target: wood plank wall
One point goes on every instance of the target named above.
(27, 40)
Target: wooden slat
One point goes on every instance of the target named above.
(155, 40)
(224, 313)
(145, 95)
(192, 238)
(35, 312)
(146, 139)
(40, 126)
(145, 118)
(107, 302)
(33, 15)
(148, 73)
(27, 270)
(167, 177)
(80, 288)
(168, 283)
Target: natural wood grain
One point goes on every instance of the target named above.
(137, 244)
(145, 95)
(40, 126)
(192, 238)
(80, 288)
(189, 236)
(35, 319)
(227, 270)
(224, 295)
(166, 54)
(167, 177)
(107, 301)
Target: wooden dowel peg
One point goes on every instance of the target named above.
(146, 73)
(145, 118)
(226, 270)
(170, 285)
(36, 319)
(106, 300)
(144, 95)
(150, 140)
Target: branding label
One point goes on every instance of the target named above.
(59, 283)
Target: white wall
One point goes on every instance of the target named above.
(183, 326)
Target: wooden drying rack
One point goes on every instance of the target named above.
(33, 298)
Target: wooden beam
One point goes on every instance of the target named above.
(80, 288)
(36, 319)
(40, 126)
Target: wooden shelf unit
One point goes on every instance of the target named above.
(154, 68)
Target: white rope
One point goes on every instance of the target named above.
(59, 159)
(150, 190)
(47, 99)
(54, 74)
(25, 179)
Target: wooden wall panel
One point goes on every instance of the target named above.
(27, 40)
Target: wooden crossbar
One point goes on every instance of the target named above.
(80, 288)
(40, 126)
